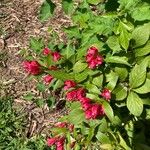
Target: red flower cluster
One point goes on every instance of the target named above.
(32, 67)
(47, 79)
(93, 58)
(56, 55)
(106, 94)
(69, 84)
(58, 141)
(92, 111)
(76, 94)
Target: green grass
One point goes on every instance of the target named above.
(12, 130)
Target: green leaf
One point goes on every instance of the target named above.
(103, 127)
(94, 97)
(127, 5)
(137, 76)
(39, 102)
(75, 105)
(124, 39)
(72, 31)
(67, 6)
(122, 73)
(36, 44)
(117, 60)
(143, 50)
(113, 43)
(79, 77)
(124, 35)
(102, 25)
(123, 143)
(141, 35)
(103, 138)
(81, 19)
(108, 110)
(86, 36)
(41, 87)
(58, 84)
(46, 10)
(120, 92)
(98, 81)
(112, 78)
(62, 75)
(134, 104)
(141, 13)
(76, 116)
(90, 134)
(94, 2)
(145, 88)
(68, 51)
(28, 96)
(146, 101)
(92, 88)
(106, 147)
(79, 66)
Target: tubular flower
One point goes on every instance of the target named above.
(94, 111)
(48, 78)
(106, 93)
(76, 94)
(72, 95)
(80, 93)
(93, 58)
(69, 84)
(51, 141)
(32, 67)
(60, 143)
(46, 51)
(56, 56)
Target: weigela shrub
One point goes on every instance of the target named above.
(103, 72)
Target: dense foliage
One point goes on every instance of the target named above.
(103, 72)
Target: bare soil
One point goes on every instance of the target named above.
(18, 21)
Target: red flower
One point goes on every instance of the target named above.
(72, 95)
(56, 56)
(92, 50)
(47, 79)
(60, 143)
(94, 111)
(80, 93)
(106, 93)
(46, 51)
(51, 141)
(32, 67)
(61, 124)
(93, 58)
(88, 114)
(85, 103)
(69, 84)
(91, 54)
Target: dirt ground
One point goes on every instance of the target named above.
(18, 21)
